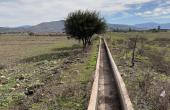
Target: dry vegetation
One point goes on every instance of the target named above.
(14, 48)
(148, 82)
(46, 73)
(49, 73)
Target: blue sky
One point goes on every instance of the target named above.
(30, 12)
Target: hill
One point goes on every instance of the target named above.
(152, 25)
(122, 27)
(46, 27)
(58, 26)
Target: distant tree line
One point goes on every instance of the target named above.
(124, 30)
(46, 34)
(158, 29)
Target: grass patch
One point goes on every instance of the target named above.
(78, 77)
(151, 67)
(32, 62)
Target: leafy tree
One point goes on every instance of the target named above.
(82, 25)
(30, 33)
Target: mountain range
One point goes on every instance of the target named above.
(151, 25)
(45, 27)
(58, 26)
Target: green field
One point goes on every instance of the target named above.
(148, 82)
(46, 73)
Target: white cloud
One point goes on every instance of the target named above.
(20, 12)
(137, 1)
(159, 12)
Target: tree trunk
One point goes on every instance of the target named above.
(84, 45)
(86, 42)
(133, 52)
(89, 40)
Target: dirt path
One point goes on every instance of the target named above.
(108, 94)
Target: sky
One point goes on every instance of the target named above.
(31, 12)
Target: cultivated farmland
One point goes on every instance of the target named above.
(42, 72)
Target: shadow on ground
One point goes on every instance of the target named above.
(60, 53)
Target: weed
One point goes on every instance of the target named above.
(148, 82)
